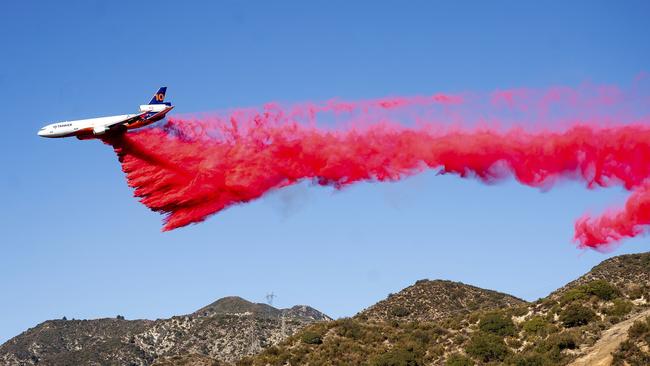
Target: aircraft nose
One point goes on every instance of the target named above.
(41, 132)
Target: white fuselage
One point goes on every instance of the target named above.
(90, 126)
(95, 127)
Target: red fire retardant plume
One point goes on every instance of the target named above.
(191, 169)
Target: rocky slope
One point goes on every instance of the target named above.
(609, 344)
(225, 331)
(635, 349)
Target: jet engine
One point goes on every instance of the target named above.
(98, 130)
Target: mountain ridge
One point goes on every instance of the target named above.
(439, 323)
(225, 330)
(414, 303)
(432, 322)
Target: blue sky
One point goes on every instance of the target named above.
(76, 243)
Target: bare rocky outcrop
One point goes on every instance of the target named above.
(601, 353)
(223, 331)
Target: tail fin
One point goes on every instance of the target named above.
(159, 97)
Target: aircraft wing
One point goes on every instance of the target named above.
(128, 121)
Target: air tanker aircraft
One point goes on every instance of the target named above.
(100, 127)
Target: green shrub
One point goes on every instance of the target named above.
(513, 342)
(421, 336)
(520, 311)
(547, 302)
(487, 347)
(399, 311)
(459, 360)
(310, 337)
(573, 295)
(438, 330)
(555, 309)
(636, 292)
(553, 346)
(537, 325)
(599, 288)
(562, 341)
(638, 329)
(459, 339)
(397, 357)
(498, 324)
(455, 323)
(575, 315)
(531, 360)
(602, 289)
(349, 328)
(619, 308)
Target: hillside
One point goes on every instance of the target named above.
(446, 323)
(435, 300)
(77, 342)
(630, 273)
(225, 331)
(600, 318)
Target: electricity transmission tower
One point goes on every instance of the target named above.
(269, 298)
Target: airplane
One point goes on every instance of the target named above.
(102, 127)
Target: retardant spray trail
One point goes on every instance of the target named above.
(192, 168)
